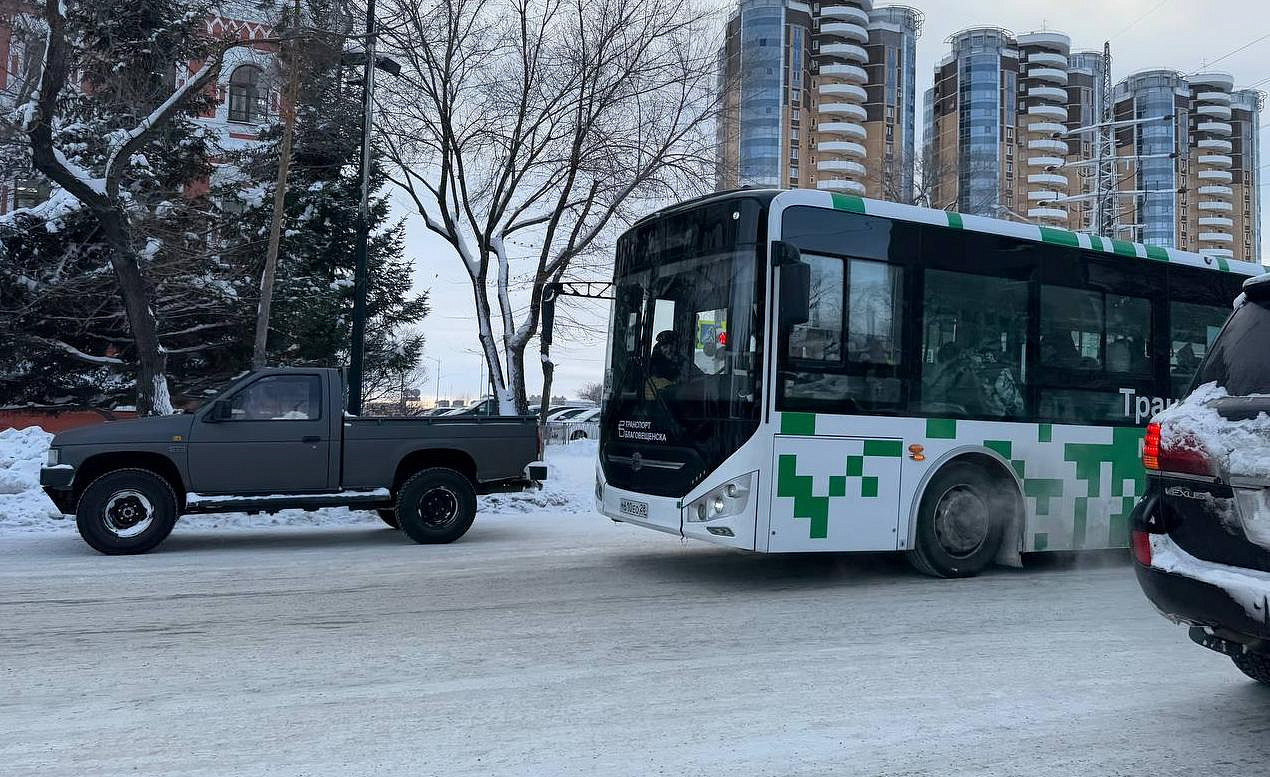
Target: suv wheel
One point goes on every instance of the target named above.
(126, 511)
(436, 506)
(1255, 665)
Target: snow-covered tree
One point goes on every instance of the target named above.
(114, 270)
(310, 319)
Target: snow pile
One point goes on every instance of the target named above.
(1239, 447)
(25, 508)
(569, 488)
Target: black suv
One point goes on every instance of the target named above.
(1201, 535)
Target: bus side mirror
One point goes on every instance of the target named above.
(794, 277)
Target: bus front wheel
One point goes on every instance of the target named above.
(962, 518)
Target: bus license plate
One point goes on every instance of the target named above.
(632, 508)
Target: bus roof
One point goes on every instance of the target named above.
(954, 220)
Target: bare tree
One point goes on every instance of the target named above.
(527, 131)
(103, 196)
(592, 392)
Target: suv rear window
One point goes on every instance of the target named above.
(1240, 358)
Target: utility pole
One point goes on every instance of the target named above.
(260, 351)
(357, 349)
(1105, 183)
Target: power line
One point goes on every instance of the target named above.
(1228, 55)
(1134, 23)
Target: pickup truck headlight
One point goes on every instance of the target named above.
(54, 457)
(727, 500)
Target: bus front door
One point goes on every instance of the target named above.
(835, 494)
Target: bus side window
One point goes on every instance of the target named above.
(820, 339)
(1192, 329)
(845, 361)
(1094, 345)
(973, 353)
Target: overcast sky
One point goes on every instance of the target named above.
(1185, 35)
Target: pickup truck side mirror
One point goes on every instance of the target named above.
(220, 411)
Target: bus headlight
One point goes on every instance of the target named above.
(731, 498)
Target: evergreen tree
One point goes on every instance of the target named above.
(311, 318)
(65, 336)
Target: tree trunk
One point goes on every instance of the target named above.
(516, 377)
(489, 346)
(152, 382)
(260, 351)
(548, 374)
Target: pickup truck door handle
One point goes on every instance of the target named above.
(311, 438)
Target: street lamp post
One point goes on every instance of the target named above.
(357, 349)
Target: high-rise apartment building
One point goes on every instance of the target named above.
(890, 105)
(1001, 123)
(819, 95)
(1190, 178)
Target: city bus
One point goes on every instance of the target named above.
(883, 377)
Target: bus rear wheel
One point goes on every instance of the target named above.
(960, 522)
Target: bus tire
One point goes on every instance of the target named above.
(126, 511)
(436, 506)
(960, 522)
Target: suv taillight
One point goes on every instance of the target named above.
(1183, 453)
(1151, 447)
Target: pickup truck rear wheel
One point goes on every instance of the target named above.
(126, 511)
(436, 505)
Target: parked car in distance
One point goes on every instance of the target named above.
(567, 413)
(577, 426)
(278, 439)
(1201, 535)
(557, 407)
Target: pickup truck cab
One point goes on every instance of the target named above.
(278, 439)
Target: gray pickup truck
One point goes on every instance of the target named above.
(278, 439)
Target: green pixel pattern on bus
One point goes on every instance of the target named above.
(813, 507)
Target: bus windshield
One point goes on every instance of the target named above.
(683, 383)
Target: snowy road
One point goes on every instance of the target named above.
(541, 646)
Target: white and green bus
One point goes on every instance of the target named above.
(800, 371)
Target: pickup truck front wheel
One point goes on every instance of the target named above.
(435, 506)
(126, 511)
